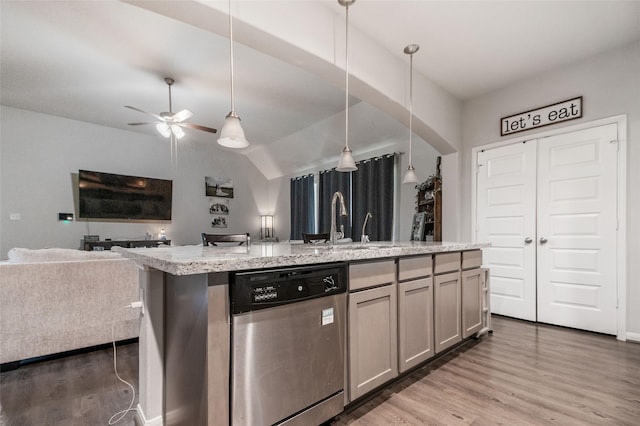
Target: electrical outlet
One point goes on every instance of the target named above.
(14, 216)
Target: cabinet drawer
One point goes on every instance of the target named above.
(363, 275)
(446, 262)
(471, 259)
(414, 267)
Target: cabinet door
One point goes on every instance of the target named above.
(471, 301)
(415, 320)
(447, 310)
(373, 339)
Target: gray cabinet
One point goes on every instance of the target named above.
(373, 327)
(447, 300)
(473, 285)
(415, 312)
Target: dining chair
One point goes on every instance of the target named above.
(316, 238)
(213, 239)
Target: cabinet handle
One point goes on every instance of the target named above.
(528, 240)
(543, 240)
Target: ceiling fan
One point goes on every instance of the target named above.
(169, 123)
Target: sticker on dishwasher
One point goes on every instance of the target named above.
(327, 316)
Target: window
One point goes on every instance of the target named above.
(370, 189)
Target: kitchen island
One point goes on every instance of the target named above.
(185, 335)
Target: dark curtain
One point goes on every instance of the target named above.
(302, 206)
(330, 182)
(373, 191)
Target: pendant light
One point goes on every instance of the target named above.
(346, 163)
(410, 175)
(232, 134)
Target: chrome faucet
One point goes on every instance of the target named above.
(343, 212)
(365, 237)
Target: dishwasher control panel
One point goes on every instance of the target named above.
(251, 291)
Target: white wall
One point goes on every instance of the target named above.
(39, 154)
(610, 85)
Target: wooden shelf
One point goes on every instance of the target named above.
(432, 205)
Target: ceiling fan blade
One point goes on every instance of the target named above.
(145, 112)
(198, 127)
(139, 124)
(182, 115)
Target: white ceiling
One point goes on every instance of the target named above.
(86, 60)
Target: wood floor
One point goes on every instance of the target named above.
(524, 374)
(79, 390)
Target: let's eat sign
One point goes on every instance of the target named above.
(545, 116)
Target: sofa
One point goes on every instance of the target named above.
(58, 300)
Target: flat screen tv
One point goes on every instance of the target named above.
(111, 196)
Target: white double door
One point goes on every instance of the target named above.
(548, 207)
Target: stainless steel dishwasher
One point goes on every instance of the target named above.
(288, 345)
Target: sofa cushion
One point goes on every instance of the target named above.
(23, 255)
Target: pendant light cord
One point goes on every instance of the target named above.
(233, 107)
(410, 105)
(346, 101)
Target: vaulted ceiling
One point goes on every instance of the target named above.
(86, 60)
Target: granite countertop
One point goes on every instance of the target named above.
(187, 260)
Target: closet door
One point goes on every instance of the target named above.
(577, 222)
(506, 209)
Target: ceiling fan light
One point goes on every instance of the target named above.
(232, 134)
(410, 175)
(164, 129)
(177, 131)
(346, 163)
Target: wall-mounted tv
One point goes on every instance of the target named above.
(111, 196)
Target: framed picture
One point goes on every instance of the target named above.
(219, 206)
(417, 227)
(218, 187)
(219, 222)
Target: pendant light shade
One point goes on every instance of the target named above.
(232, 135)
(346, 163)
(410, 175)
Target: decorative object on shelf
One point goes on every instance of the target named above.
(170, 124)
(218, 187)
(266, 227)
(429, 202)
(417, 227)
(232, 134)
(346, 163)
(410, 175)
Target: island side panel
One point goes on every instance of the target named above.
(151, 348)
(218, 349)
(186, 319)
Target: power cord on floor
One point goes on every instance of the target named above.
(120, 414)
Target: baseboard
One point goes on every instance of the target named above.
(141, 420)
(634, 337)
